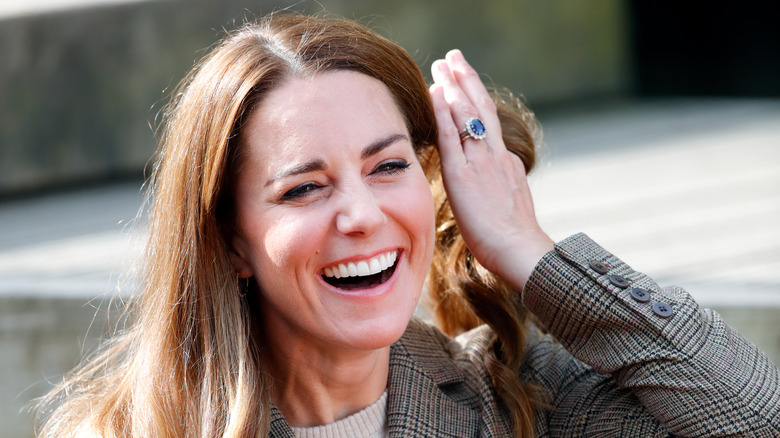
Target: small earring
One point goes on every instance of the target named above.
(243, 285)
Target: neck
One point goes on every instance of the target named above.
(316, 386)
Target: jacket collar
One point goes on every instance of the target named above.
(427, 395)
(426, 391)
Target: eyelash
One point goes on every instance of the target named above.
(300, 191)
(389, 168)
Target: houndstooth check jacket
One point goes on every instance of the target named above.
(621, 369)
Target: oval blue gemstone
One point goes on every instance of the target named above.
(477, 127)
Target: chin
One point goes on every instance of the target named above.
(379, 332)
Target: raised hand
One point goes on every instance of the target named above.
(485, 183)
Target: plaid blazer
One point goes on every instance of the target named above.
(623, 367)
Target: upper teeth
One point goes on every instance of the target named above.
(372, 266)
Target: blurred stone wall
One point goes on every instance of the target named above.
(81, 88)
(40, 340)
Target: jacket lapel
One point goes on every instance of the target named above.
(417, 404)
(279, 427)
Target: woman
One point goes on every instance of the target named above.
(291, 233)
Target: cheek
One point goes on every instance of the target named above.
(417, 209)
(429, 224)
(288, 242)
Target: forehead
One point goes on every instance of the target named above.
(309, 114)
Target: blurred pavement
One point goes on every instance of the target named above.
(76, 244)
(687, 191)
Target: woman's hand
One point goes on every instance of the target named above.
(485, 183)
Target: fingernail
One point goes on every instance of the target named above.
(442, 66)
(435, 91)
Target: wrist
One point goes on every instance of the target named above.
(523, 257)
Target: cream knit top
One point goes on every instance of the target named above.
(368, 423)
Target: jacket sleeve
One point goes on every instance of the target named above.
(664, 354)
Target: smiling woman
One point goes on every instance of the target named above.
(331, 179)
(307, 180)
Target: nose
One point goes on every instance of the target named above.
(360, 212)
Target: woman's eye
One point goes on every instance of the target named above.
(300, 191)
(391, 167)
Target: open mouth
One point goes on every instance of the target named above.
(363, 274)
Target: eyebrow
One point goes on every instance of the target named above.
(310, 166)
(316, 165)
(377, 146)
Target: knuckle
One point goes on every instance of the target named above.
(449, 133)
(465, 108)
(468, 72)
(487, 103)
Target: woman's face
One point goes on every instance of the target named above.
(334, 214)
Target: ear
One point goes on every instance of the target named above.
(238, 255)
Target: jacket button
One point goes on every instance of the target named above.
(640, 295)
(599, 267)
(619, 281)
(662, 309)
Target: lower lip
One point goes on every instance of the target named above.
(370, 292)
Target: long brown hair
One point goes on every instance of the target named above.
(191, 363)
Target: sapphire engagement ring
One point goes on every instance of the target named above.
(474, 129)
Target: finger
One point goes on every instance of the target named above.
(474, 89)
(453, 94)
(450, 148)
(469, 81)
(441, 73)
(461, 108)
